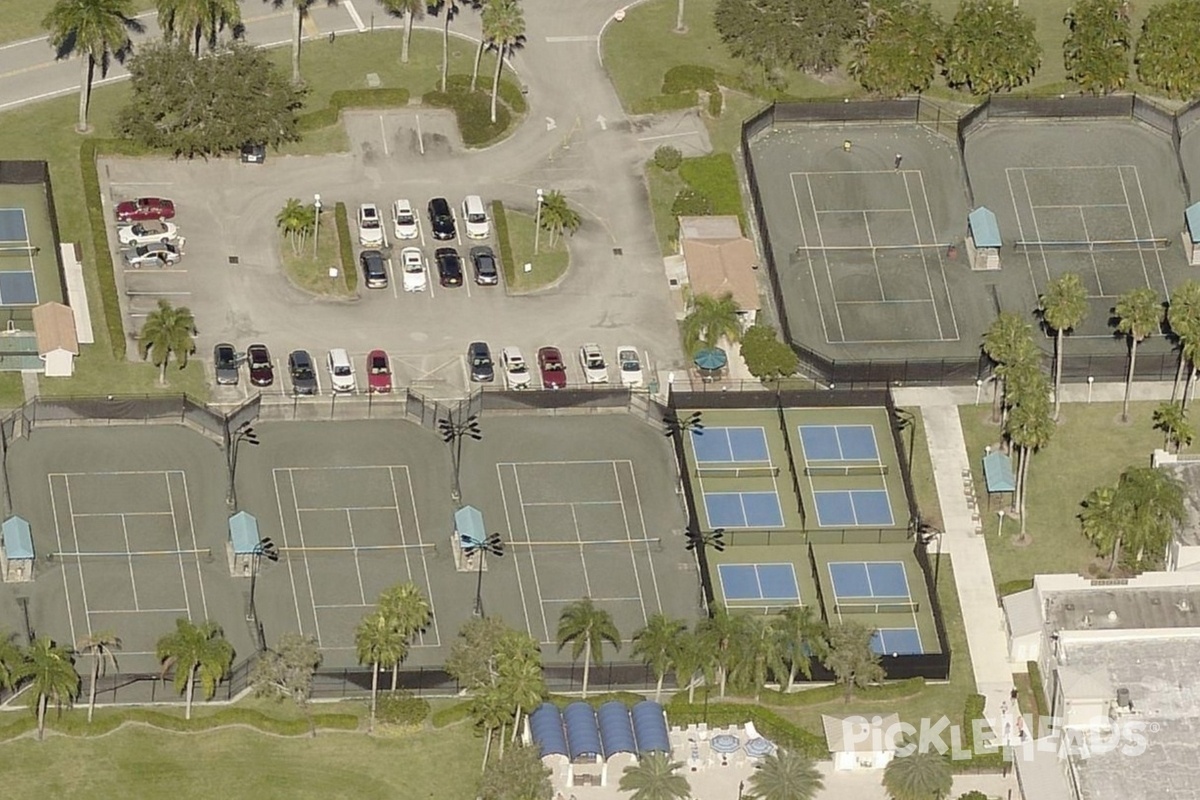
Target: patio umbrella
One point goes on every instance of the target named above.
(711, 358)
(759, 747)
(724, 743)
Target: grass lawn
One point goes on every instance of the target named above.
(1090, 448)
(713, 176)
(924, 485)
(312, 274)
(663, 187)
(12, 390)
(23, 19)
(549, 264)
(725, 131)
(137, 762)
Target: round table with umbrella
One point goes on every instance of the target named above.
(724, 743)
(710, 361)
(757, 748)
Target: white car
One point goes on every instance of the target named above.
(341, 371)
(404, 220)
(475, 218)
(370, 226)
(629, 366)
(592, 361)
(516, 371)
(412, 264)
(152, 230)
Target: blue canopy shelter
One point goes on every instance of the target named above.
(650, 727)
(998, 472)
(583, 735)
(17, 551)
(1191, 237)
(616, 729)
(546, 727)
(983, 239)
(243, 543)
(469, 531)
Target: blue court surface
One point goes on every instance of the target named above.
(869, 580)
(743, 509)
(731, 446)
(843, 507)
(12, 226)
(839, 443)
(759, 582)
(897, 641)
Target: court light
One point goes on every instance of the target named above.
(675, 425)
(714, 539)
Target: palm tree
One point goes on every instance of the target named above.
(166, 332)
(1183, 315)
(407, 9)
(378, 643)
(679, 27)
(100, 646)
(1063, 307)
(292, 219)
(1003, 342)
(483, 42)
(720, 634)
(786, 775)
(656, 644)
(923, 775)
(758, 654)
(504, 27)
(1137, 315)
(300, 9)
(50, 669)
(1172, 420)
(196, 21)
(1101, 521)
(655, 777)
(195, 651)
(10, 659)
(688, 657)
(490, 708)
(95, 30)
(1029, 428)
(557, 216)
(1139, 515)
(409, 613)
(803, 634)
(449, 8)
(522, 682)
(587, 628)
(710, 319)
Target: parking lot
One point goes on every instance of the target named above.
(232, 280)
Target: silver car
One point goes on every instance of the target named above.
(152, 254)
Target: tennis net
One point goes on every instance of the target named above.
(850, 251)
(86, 555)
(1099, 246)
(877, 608)
(737, 472)
(846, 470)
(354, 549)
(19, 250)
(568, 544)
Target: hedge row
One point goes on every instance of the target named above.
(1038, 688)
(346, 247)
(76, 724)
(510, 94)
(892, 690)
(451, 714)
(350, 98)
(473, 112)
(992, 761)
(597, 700)
(500, 223)
(689, 77)
(665, 102)
(769, 724)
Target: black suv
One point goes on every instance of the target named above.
(479, 359)
(374, 273)
(449, 266)
(304, 376)
(484, 261)
(441, 219)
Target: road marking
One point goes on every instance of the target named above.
(603, 122)
(666, 136)
(383, 135)
(561, 39)
(353, 12)
(551, 124)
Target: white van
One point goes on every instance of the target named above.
(404, 220)
(341, 371)
(475, 217)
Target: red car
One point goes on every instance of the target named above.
(145, 208)
(379, 372)
(262, 368)
(554, 372)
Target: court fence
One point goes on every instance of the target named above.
(25, 173)
(941, 119)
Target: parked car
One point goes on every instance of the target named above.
(370, 226)
(254, 153)
(374, 272)
(412, 263)
(484, 261)
(550, 364)
(341, 371)
(379, 372)
(441, 219)
(153, 254)
(516, 371)
(449, 265)
(262, 368)
(226, 362)
(475, 218)
(479, 359)
(404, 220)
(629, 366)
(145, 208)
(152, 230)
(303, 372)
(592, 361)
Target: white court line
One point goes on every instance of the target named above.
(347, 508)
(139, 611)
(1149, 227)
(912, 208)
(75, 536)
(862, 210)
(400, 522)
(412, 497)
(116, 472)
(512, 537)
(1081, 205)
(629, 534)
(343, 468)
(941, 266)
(604, 461)
(132, 580)
(587, 582)
(828, 273)
(596, 599)
(362, 591)
(874, 257)
(58, 539)
(808, 257)
(178, 546)
(343, 605)
(1087, 237)
(283, 529)
(890, 302)
(1132, 223)
(187, 499)
(312, 595)
(580, 503)
(124, 514)
(532, 559)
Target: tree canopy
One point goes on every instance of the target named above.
(208, 106)
(766, 357)
(806, 35)
(1096, 51)
(1166, 50)
(519, 774)
(899, 47)
(991, 47)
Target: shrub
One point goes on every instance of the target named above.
(351, 98)
(765, 355)
(76, 723)
(500, 223)
(473, 112)
(992, 761)
(105, 271)
(689, 77)
(455, 713)
(1038, 689)
(716, 103)
(346, 247)
(668, 158)
(597, 700)
(665, 102)
(510, 93)
(690, 203)
(402, 708)
(892, 690)
(1012, 587)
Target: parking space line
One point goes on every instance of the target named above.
(383, 135)
(392, 277)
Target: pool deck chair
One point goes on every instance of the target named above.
(1191, 234)
(983, 239)
(16, 550)
(468, 527)
(242, 544)
(997, 469)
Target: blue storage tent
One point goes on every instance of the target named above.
(546, 726)
(468, 524)
(1192, 216)
(18, 541)
(984, 228)
(583, 736)
(616, 729)
(243, 533)
(650, 727)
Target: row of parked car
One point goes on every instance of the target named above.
(145, 233)
(442, 224)
(552, 372)
(414, 272)
(302, 370)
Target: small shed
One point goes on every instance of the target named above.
(858, 743)
(242, 545)
(468, 530)
(983, 239)
(1191, 234)
(16, 550)
(1083, 699)
(54, 325)
(998, 472)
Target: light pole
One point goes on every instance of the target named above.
(265, 547)
(698, 542)
(480, 548)
(246, 434)
(741, 789)
(537, 222)
(317, 228)
(673, 425)
(453, 432)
